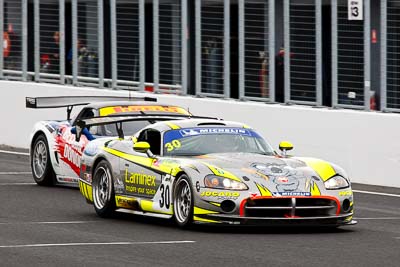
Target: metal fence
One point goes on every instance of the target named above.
(13, 25)
(291, 51)
(301, 52)
(390, 20)
(256, 50)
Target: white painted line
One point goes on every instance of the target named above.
(14, 173)
(381, 218)
(96, 244)
(376, 193)
(2, 184)
(14, 153)
(65, 222)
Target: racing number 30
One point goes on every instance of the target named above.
(172, 145)
(165, 200)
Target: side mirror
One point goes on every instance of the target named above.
(285, 146)
(141, 147)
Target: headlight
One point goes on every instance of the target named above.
(336, 182)
(217, 182)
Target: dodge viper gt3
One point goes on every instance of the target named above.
(210, 171)
(54, 152)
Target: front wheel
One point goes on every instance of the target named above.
(103, 190)
(183, 202)
(42, 170)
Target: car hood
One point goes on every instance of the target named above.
(270, 174)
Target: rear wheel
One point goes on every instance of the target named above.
(42, 170)
(103, 190)
(183, 202)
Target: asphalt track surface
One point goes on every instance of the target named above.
(54, 226)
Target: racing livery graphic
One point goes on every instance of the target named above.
(200, 170)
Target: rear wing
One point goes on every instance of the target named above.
(70, 101)
(119, 119)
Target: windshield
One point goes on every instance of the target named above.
(199, 141)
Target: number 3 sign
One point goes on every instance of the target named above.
(355, 9)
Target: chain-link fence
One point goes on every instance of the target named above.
(169, 45)
(211, 36)
(13, 35)
(350, 59)
(127, 41)
(257, 56)
(87, 39)
(302, 52)
(49, 37)
(393, 55)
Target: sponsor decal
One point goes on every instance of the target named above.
(69, 150)
(125, 202)
(200, 131)
(345, 193)
(123, 109)
(291, 194)
(189, 132)
(140, 183)
(220, 195)
(140, 178)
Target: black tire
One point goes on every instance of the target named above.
(103, 190)
(183, 202)
(42, 169)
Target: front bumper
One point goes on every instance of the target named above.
(339, 220)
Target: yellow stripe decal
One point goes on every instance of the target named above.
(90, 192)
(138, 159)
(198, 219)
(322, 168)
(169, 168)
(198, 210)
(220, 172)
(264, 191)
(215, 204)
(315, 190)
(80, 187)
(147, 205)
(84, 191)
(173, 126)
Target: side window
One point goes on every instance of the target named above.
(88, 113)
(153, 137)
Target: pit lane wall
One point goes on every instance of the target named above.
(365, 144)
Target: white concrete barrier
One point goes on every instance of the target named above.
(366, 144)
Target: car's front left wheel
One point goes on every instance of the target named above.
(103, 190)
